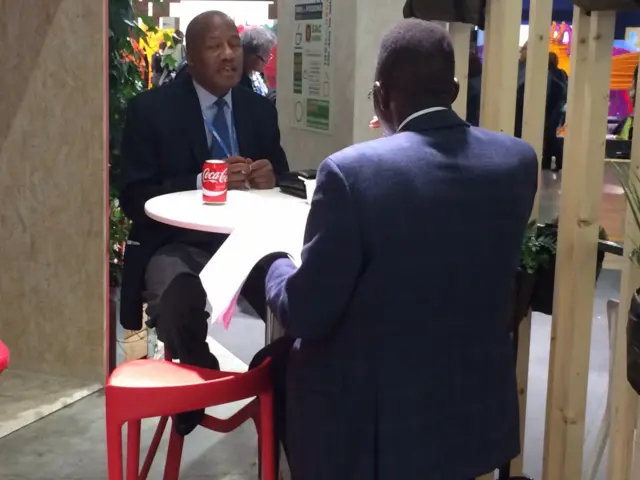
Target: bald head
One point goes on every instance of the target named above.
(416, 59)
(202, 24)
(214, 52)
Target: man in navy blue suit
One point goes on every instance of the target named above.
(169, 134)
(404, 365)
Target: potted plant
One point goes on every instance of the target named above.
(545, 249)
(538, 250)
(127, 73)
(630, 181)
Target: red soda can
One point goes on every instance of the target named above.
(214, 181)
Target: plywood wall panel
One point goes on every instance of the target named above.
(52, 178)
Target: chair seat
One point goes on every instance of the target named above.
(160, 373)
(158, 388)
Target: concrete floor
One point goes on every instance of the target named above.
(70, 444)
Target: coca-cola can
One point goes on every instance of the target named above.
(214, 181)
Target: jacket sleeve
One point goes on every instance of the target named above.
(275, 153)
(311, 300)
(140, 177)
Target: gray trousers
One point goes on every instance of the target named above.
(176, 301)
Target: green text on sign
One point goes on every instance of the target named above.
(317, 114)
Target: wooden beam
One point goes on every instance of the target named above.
(577, 244)
(461, 36)
(535, 95)
(500, 69)
(500, 73)
(624, 400)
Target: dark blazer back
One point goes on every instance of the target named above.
(163, 149)
(405, 368)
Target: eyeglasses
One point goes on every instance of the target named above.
(376, 85)
(260, 57)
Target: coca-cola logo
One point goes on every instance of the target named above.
(215, 176)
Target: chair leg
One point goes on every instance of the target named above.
(267, 438)
(174, 455)
(153, 448)
(133, 449)
(114, 449)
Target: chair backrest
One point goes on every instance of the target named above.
(238, 386)
(160, 400)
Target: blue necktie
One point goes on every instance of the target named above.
(222, 128)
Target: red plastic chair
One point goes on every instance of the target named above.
(4, 357)
(156, 388)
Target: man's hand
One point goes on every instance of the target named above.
(261, 175)
(238, 169)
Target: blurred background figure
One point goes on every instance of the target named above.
(473, 88)
(624, 129)
(557, 85)
(156, 64)
(257, 43)
(174, 58)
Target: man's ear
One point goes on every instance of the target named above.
(456, 89)
(381, 97)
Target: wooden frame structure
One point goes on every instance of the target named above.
(578, 228)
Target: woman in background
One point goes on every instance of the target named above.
(257, 43)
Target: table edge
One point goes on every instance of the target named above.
(191, 226)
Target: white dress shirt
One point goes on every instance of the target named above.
(209, 110)
(419, 114)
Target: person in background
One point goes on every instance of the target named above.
(257, 43)
(624, 129)
(399, 332)
(522, 63)
(169, 134)
(174, 58)
(474, 88)
(556, 98)
(156, 65)
(557, 86)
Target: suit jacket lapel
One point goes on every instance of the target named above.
(193, 125)
(242, 126)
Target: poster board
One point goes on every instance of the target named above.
(312, 66)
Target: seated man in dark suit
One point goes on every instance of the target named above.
(170, 132)
(404, 365)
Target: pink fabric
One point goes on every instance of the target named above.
(228, 313)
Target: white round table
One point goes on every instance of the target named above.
(186, 210)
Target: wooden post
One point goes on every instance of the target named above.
(535, 95)
(624, 400)
(273, 10)
(577, 244)
(461, 36)
(500, 68)
(500, 73)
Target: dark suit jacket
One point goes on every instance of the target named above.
(163, 149)
(246, 82)
(405, 368)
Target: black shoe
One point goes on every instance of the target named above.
(187, 422)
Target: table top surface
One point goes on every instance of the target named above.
(186, 210)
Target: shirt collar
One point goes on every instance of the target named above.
(207, 99)
(419, 114)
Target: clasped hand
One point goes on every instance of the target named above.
(243, 172)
